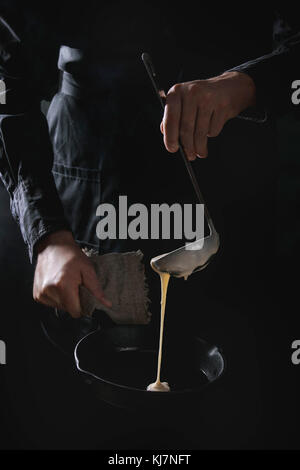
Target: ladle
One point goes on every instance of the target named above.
(193, 256)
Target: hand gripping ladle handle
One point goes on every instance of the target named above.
(162, 98)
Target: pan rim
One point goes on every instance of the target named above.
(134, 389)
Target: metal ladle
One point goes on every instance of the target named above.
(193, 256)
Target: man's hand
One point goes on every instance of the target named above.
(197, 110)
(61, 268)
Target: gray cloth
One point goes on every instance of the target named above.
(122, 278)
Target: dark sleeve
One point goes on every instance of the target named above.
(25, 149)
(273, 75)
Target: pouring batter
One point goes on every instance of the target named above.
(159, 386)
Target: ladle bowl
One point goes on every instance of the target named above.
(188, 259)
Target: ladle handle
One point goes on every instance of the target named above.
(162, 98)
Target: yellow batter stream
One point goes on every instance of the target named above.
(159, 386)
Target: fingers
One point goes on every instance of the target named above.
(90, 281)
(45, 300)
(201, 132)
(187, 126)
(187, 120)
(61, 294)
(217, 123)
(69, 299)
(171, 119)
(62, 290)
(195, 111)
(61, 268)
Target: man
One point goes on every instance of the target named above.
(103, 140)
(94, 63)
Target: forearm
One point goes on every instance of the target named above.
(25, 149)
(25, 168)
(273, 75)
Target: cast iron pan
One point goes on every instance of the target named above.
(119, 362)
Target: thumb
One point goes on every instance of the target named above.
(90, 281)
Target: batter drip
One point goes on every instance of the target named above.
(159, 386)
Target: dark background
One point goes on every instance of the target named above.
(245, 301)
(44, 405)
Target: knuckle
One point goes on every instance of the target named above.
(193, 89)
(58, 282)
(45, 290)
(176, 88)
(186, 131)
(200, 132)
(209, 93)
(206, 97)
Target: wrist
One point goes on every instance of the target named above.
(60, 237)
(244, 89)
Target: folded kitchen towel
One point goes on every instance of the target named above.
(122, 278)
